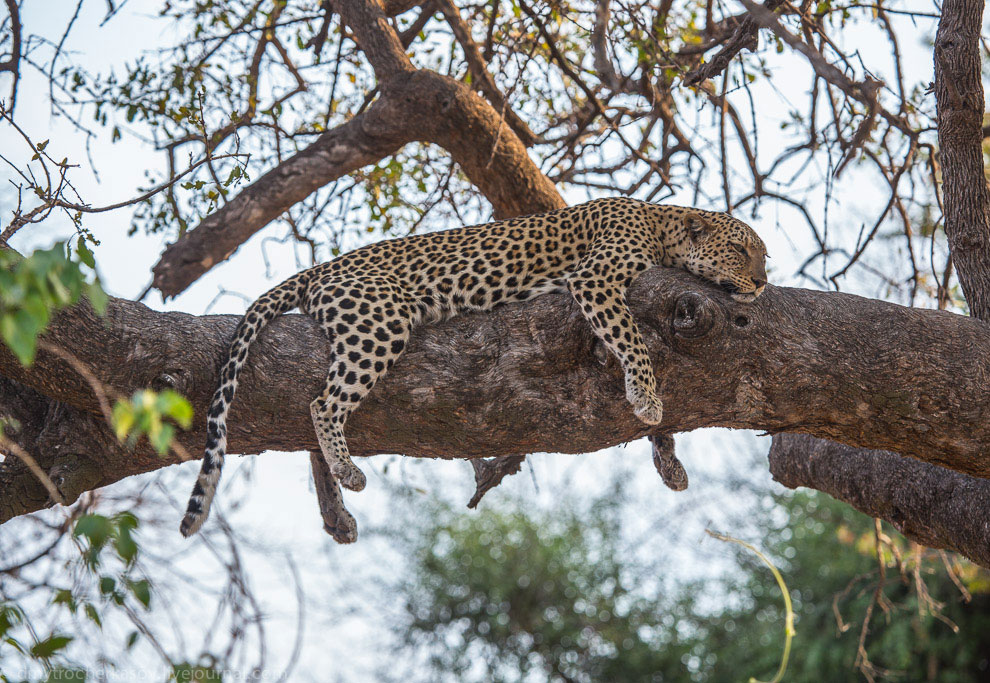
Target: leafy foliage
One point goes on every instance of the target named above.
(110, 580)
(828, 554)
(548, 593)
(147, 412)
(35, 287)
(12, 617)
(503, 594)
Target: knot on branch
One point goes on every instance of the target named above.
(695, 316)
(174, 379)
(73, 475)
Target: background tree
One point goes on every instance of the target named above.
(579, 606)
(573, 609)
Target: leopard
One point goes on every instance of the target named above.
(369, 300)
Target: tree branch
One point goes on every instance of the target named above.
(525, 378)
(395, 7)
(425, 107)
(745, 37)
(374, 35)
(13, 65)
(825, 69)
(479, 71)
(365, 139)
(489, 473)
(934, 506)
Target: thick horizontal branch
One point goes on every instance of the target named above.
(74, 448)
(527, 378)
(930, 504)
(934, 506)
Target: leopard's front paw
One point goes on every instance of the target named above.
(348, 474)
(650, 413)
(646, 405)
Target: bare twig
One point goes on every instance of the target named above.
(32, 464)
(13, 64)
(744, 38)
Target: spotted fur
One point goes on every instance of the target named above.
(369, 300)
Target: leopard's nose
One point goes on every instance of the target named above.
(759, 281)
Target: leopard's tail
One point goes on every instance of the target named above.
(272, 304)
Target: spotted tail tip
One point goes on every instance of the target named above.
(191, 523)
(195, 517)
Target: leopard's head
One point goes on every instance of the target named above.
(726, 251)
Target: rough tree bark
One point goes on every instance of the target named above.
(529, 378)
(959, 98)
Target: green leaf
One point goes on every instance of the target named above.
(49, 646)
(33, 287)
(85, 255)
(64, 596)
(145, 414)
(123, 419)
(63, 295)
(176, 406)
(125, 546)
(107, 584)
(10, 616)
(161, 437)
(98, 299)
(93, 614)
(126, 521)
(18, 339)
(96, 528)
(142, 591)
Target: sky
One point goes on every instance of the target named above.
(276, 513)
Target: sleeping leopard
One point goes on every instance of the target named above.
(368, 302)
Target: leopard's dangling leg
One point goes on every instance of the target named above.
(599, 287)
(369, 327)
(329, 424)
(337, 521)
(669, 468)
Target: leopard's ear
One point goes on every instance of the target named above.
(699, 228)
